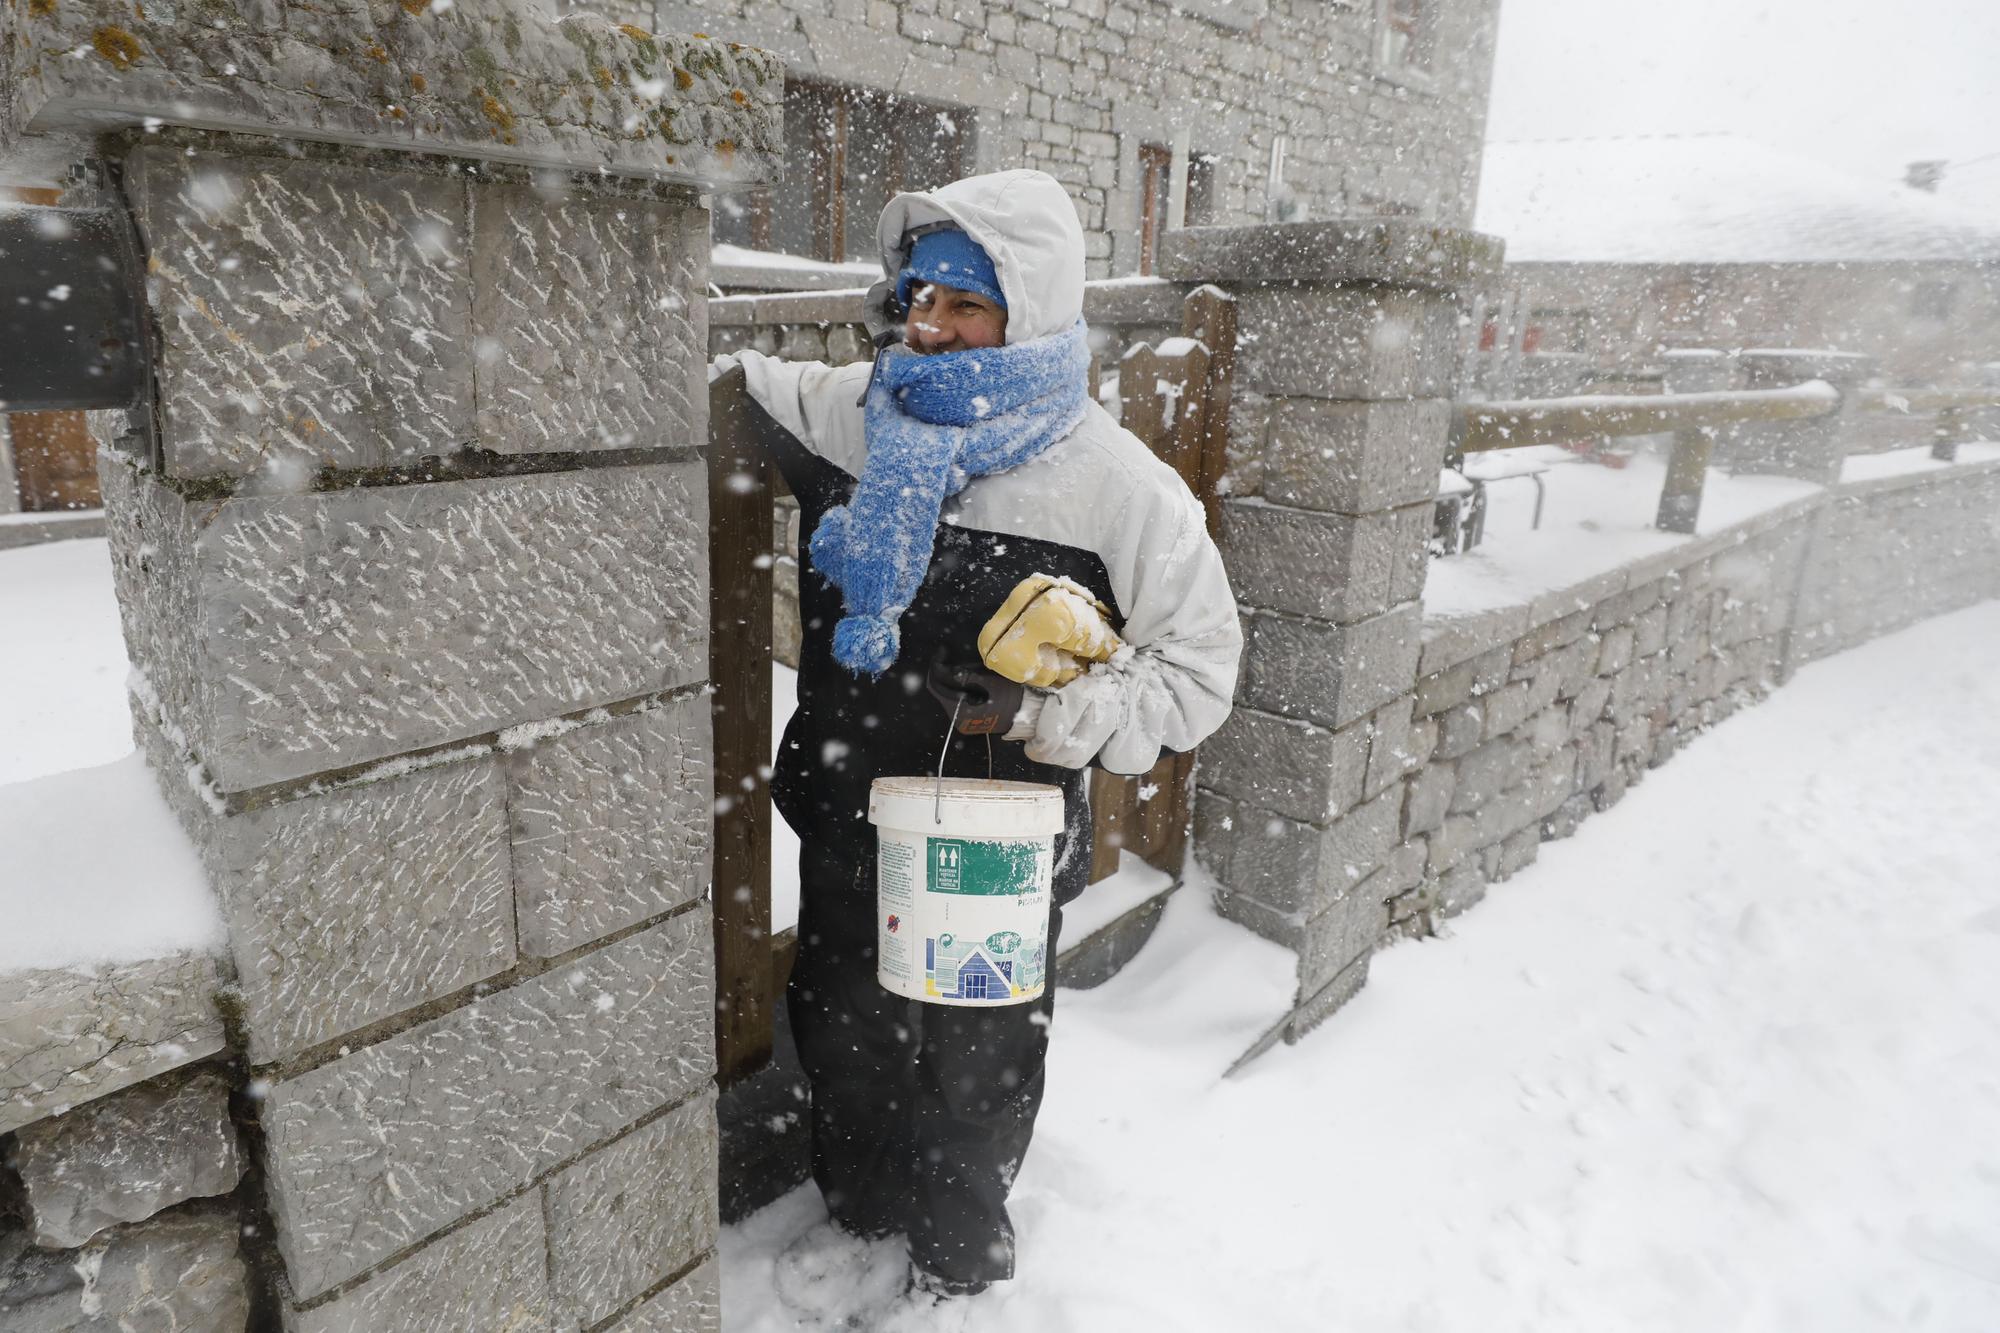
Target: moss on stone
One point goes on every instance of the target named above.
(118, 46)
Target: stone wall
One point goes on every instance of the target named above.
(1890, 552)
(410, 549)
(1335, 831)
(1075, 88)
(444, 723)
(119, 1209)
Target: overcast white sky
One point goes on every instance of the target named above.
(1867, 85)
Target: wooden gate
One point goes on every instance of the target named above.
(1174, 397)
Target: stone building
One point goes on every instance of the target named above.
(1204, 112)
(1618, 249)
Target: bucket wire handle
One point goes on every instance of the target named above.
(937, 805)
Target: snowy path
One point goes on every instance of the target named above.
(1729, 1059)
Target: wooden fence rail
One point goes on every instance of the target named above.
(1694, 419)
(1175, 398)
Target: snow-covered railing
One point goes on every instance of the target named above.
(1694, 418)
(826, 325)
(1951, 407)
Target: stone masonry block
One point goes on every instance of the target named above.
(1392, 751)
(127, 1157)
(1355, 457)
(1516, 852)
(1459, 889)
(1331, 674)
(1553, 634)
(1616, 650)
(1349, 928)
(180, 1272)
(310, 314)
(498, 83)
(1294, 768)
(68, 1035)
(1428, 798)
(1650, 632)
(1566, 818)
(1290, 867)
(1459, 730)
(489, 1275)
(592, 331)
(1322, 1004)
(1254, 852)
(1347, 342)
(610, 825)
(291, 635)
(1411, 544)
(1359, 841)
(691, 1305)
(373, 1152)
(1507, 708)
(628, 1215)
(1444, 689)
(1328, 566)
(1463, 835)
(1560, 672)
(1488, 771)
(355, 905)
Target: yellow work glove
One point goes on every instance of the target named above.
(1047, 632)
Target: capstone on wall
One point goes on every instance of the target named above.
(1075, 89)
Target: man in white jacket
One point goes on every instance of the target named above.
(967, 459)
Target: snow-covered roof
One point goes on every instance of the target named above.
(1708, 198)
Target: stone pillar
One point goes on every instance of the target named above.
(411, 556)
(1347, 348)
(1810, 449)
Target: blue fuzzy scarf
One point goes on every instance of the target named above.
(934, 423)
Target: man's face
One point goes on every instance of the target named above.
(945, 319)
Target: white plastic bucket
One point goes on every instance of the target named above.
(962, 884)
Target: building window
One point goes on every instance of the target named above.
(848, 150)
(1405, 41)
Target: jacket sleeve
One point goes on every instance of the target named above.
(818, 403)
(1173, 681)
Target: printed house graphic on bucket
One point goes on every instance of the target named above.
(994, 968)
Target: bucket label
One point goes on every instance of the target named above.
(963, 920)
(960, 865)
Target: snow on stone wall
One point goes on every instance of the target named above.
(1333, 831)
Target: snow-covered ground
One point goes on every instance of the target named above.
(1594, 519)
(1727, 1059)
(62, 661)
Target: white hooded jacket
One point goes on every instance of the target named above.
(1099, 491)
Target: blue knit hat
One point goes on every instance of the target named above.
(950, 258)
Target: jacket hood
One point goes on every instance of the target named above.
(1027, 225)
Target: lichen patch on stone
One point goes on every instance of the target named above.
(116, 45)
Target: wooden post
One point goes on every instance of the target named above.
(1209, 317)
(1687, 470)
(1945, 432)
(1111, 820)
(1177, 403)
(739, 557)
